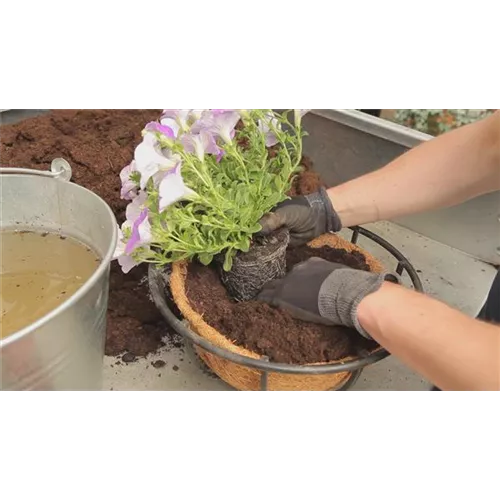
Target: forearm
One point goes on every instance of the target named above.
(443, 172)
(451, 350)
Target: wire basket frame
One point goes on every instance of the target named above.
(157, 287)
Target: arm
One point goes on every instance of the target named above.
(450, 349)
(443, 172)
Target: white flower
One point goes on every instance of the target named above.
(173, 189)
(150, 159)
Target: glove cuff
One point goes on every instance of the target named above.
(320, 201)
(333, 222)
(342, 292)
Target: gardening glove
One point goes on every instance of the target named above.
(306, 217)
(319, 291)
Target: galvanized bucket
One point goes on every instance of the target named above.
(63, 350)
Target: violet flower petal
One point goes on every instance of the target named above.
(172, 125)
(219, 122)
(141, 233)
(129, 188)
(134, 209)
(161, 129)
(201, 143)
(220, 155)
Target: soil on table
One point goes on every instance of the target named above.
(269, 331)
(98, 144)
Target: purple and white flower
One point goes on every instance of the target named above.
(160, 128)
(218, 122)
(173, 189)
(141, 232)
(127, 262)
(151, 159)
(172, 125)
(180, 117)
(129, 187)
(196, 114)
(201, 143)
(266, 126)
(138, 225)
(137, 220)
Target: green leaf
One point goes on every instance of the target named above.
(205, 258)
(274, 199)
(243, 245)
(267, 191)
(228, 260)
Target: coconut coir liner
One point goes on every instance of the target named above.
(273, 332)
(98, 143)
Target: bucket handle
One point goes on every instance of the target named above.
(59, 169)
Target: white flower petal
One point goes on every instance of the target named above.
(149, 159)
(173, 189)
(127, 263)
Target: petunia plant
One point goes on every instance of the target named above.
(202, 179)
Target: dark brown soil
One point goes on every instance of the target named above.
(269, 331)
(98, 144)
(352, 259)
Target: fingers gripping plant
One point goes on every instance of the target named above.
(201, 180)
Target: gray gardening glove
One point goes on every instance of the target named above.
(306, 217)
(319, 291)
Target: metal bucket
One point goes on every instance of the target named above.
(63, 350)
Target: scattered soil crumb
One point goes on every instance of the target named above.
(129, 357)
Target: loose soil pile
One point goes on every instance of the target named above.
(98, 144)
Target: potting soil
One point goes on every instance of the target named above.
(273, 332)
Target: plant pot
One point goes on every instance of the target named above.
(264, 262)
(245, 378)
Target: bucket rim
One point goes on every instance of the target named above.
(96, 275)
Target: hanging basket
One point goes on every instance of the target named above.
(249, 379)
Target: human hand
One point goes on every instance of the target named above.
(306, 217)
(323, 292)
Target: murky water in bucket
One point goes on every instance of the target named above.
(39, 271)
